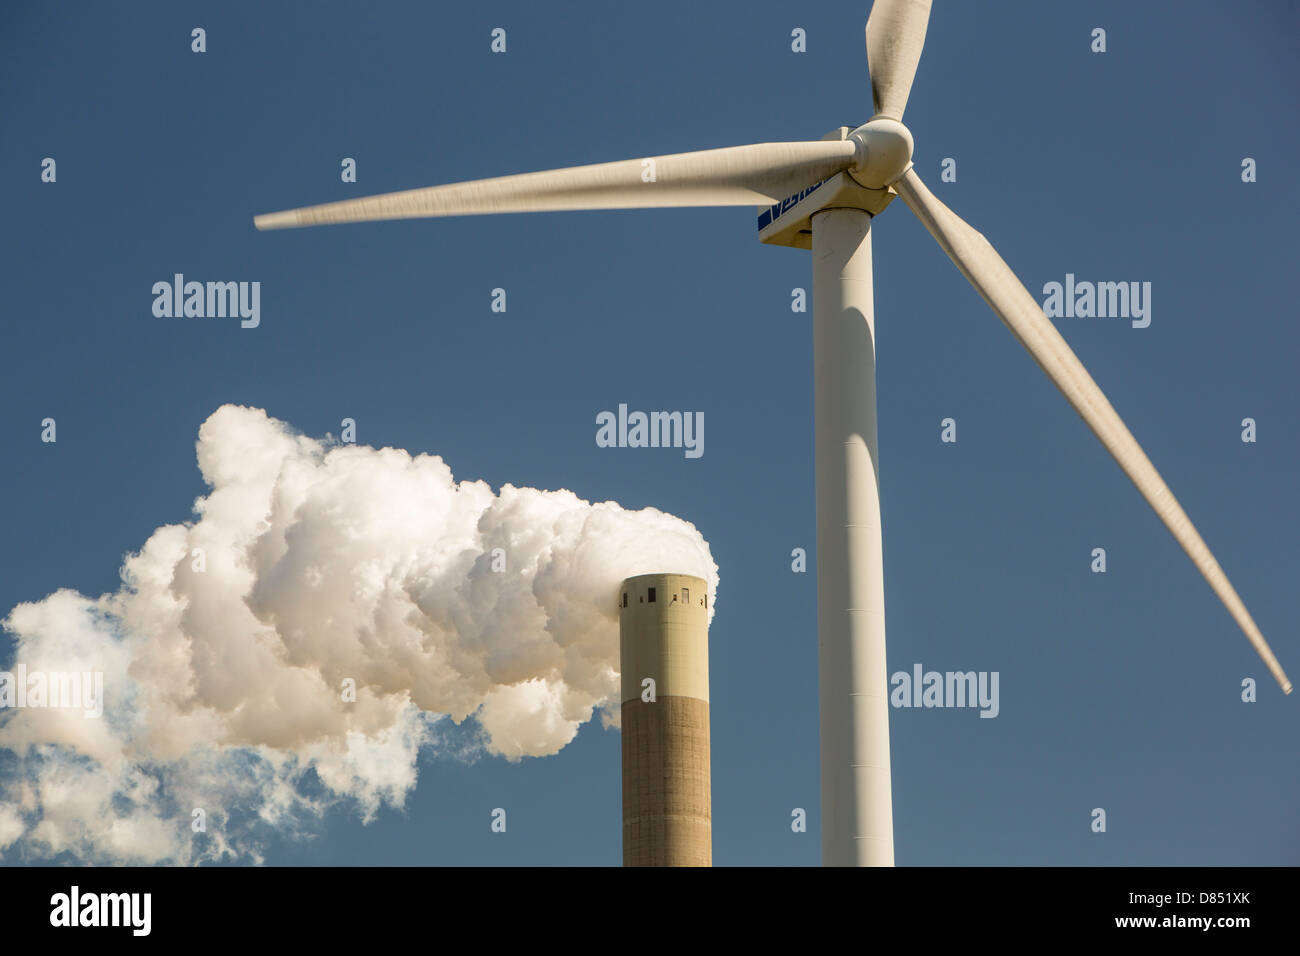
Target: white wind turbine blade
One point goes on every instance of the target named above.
(734, 176)
(1013, 304)
(895, 36)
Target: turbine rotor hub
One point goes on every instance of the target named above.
(884, 152)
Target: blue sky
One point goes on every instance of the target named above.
(1118, 690)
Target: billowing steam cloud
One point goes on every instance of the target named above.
(227, 651)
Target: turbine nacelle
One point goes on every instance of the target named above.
(884, 152)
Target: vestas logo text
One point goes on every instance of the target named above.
(769, 216)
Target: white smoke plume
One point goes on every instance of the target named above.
(226, 649)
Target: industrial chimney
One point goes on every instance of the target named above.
(664, 645)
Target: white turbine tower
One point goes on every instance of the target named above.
(825, 194)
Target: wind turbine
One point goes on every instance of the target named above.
(825, 194)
